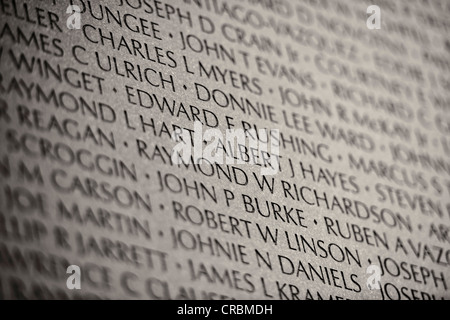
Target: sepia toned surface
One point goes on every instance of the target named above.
(361, 190)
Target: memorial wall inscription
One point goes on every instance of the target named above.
(338, 190)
